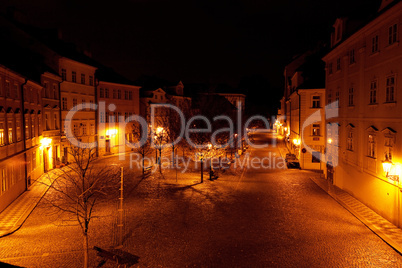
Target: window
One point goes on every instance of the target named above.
(83, 79)
(338, 64)
(107, 117)
(392, 34)
(106, 93)
(374, 44)
(47, 122)
(91, 104)
(389, 144)
(74, 77)
(130, 95)
(92, 129)
(101, 117)
(329, 98)
(350, 141)
(84, 129)
(119, 94)
(15, 91)
(63, 74)
(76, 130)
(371, 146)
(156, 97)
(75, 104)
(7, 88)
(316, 129)
(64, 104)
(10, 132)
(373, 92)
(101, 93)
(337, 98)
(316, 157)
(84, 104)
(330, 71)
(352, 56)
(19, 131)
(34, 160)
(33, 127)
(27, 128)
(54, 91)
(2, 141)
(316, 102)
(351, 96)
(91, 80)
(56, 122)
(125, 94)
(114, 94)
(390, 93)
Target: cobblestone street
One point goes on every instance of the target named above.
(271, 217)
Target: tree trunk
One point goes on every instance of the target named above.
(86, 250)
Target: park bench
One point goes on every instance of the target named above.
(107, 255)
(213, 175)
(147, 170)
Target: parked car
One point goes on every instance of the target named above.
(292, 161)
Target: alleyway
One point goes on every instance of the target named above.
(253, 217)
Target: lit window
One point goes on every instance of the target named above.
(2, 142)
(316, 129)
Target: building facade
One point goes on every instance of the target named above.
(21, 153)
(116, 102)
(77, 88)
(363, 71)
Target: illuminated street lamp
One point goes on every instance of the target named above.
(159, 139)
(386, 165)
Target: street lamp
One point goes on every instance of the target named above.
(159, 138)
(386, 165)
(210, 161)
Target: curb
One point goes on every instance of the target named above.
(375, 228)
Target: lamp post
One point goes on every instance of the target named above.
(210, 160)
(159, 138)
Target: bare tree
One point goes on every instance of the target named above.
(142, 149)
(80, 188)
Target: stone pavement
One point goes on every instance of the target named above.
(12, 218)
(388, 232)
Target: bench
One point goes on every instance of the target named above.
(107, 255)
(147, 170)
(213, 175)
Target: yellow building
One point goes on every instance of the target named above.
(362, 73)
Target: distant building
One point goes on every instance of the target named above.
(362, 73)
(124, 100)
(77, 88)
(304, 96)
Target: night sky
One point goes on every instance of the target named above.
(196, 41)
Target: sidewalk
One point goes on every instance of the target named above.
(12, 218)
(388, 232)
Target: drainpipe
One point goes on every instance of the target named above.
(300, 135)
(23, 132)
(60, 119)
(96, 83)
